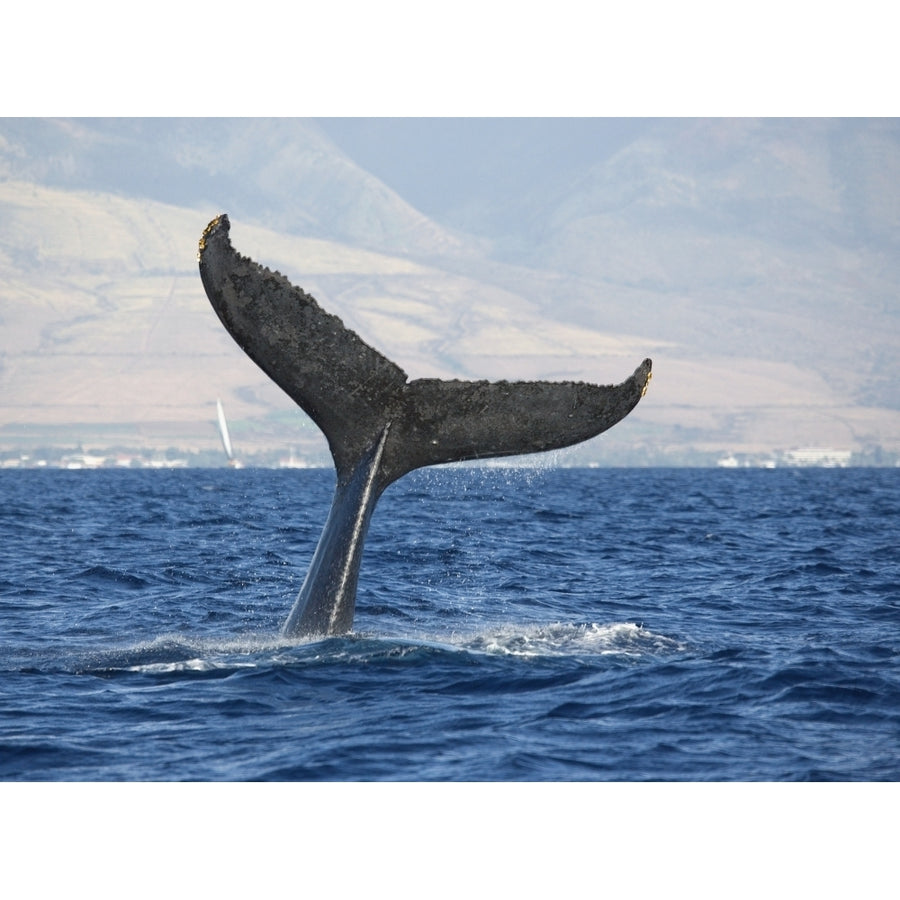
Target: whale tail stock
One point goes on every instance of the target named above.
(379, 425)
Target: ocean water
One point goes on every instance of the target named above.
(512, 625)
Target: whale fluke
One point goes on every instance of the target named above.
(380, 425)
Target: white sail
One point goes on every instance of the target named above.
(223, 431)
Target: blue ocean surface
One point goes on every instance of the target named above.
(512, 625)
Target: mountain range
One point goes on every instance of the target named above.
(756, 262)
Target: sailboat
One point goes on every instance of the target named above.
(226, 438)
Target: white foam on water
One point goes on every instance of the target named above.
(564, 639)
(173, 653)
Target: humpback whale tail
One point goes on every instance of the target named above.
(379, 424)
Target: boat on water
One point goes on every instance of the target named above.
(226, 437)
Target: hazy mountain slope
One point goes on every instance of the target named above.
(755, 262)
(776, 240)
(750, 245)
(104, 318)
(282, 173)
